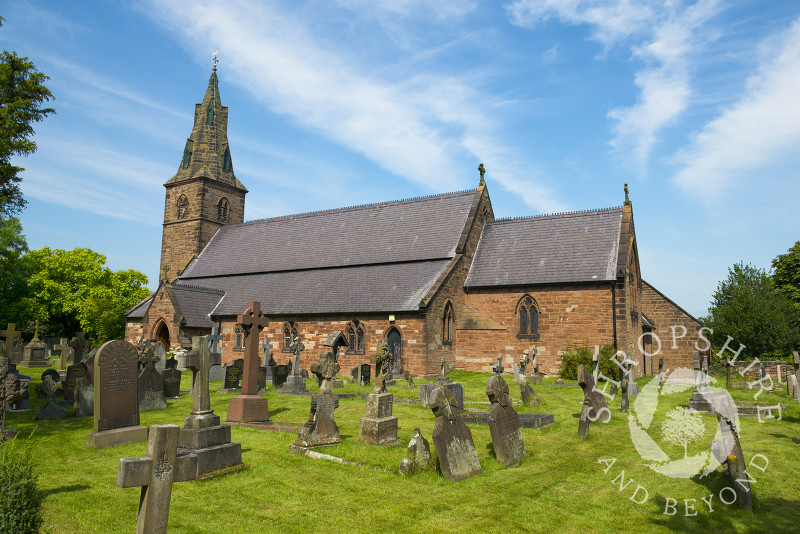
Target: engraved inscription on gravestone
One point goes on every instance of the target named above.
(116, 402)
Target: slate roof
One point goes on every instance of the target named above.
(195, 303)
(139, 311)
(548, 249)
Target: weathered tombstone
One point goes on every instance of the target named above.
(596, 363)
(12, 390)
(728, 452)
(537, 376)
(381, 360)
(35, 352)
(525, 389)
(217, 372)
(233, 376)
(80, 347)
(155, 473)
(83, 403)
(457, 389)
(458, 458)
(379, 427)
(267, 363)
(443, 378)
(172, 379)
(160, 353)
(321, 429)
(10, 335)
(20, 403)
(202, 433)
(279, 375)
(335, 341)
(504, 423)
(295, 384)
(249, 407)
(409, 380)
(116, 403)
(795, 386)
(65, 352)
(53, 375)
(304, 374)
(151, 383)
(426, 394)
(420, 455)
(598, 409)
(51, 409)
(361, 374)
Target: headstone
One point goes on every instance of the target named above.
(335, 341)
(151, 383)
(53, 375)
(202, 433)
(728, 452)
(295, 384)
(559, 381)
(217, 372)
(279, 375)
(596, 363)
(598, 409)
(504, 423)
(35, 352)
(795, 387)
(172, 379)
(65, 352)
(698, 378)
(51, 409)
(116, 403)
(249, 407)
(443, 378)
(160, 353)
(83, 402)
(304, 374)
(12, 390)
(458, 393)
(409, 380)
(267, 363)
(233, 376)
(458, 458)
(419, 452)
(381, 360)
(321, 429)
(379, 426)
(20, 402)
(155, 473)
(80, 346)
(537, 376)
(426, 394)
(525, 390)
(337, 383)
(361, 374)
(10, 335)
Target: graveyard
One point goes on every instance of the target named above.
(561, 483)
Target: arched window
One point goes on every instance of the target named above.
(355, 337)
(240, 335)
(210, 114)
(187, 153)
(222, 209)
(183, 207)
(447, 324)
(528, 318)
(226, 160)
(289, 333)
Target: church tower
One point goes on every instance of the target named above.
(204, 194)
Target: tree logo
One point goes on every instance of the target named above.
(678, 427)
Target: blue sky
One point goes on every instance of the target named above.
(343, 102)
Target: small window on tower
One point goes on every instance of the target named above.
(187, 154)
(183, 207)
(226, 160)
(222, 209)
(210, 115)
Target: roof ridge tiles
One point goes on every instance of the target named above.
(560, 214)
(355, 207)
(181, 285)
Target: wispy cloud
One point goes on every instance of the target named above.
(393, 122)
(761, 126)
(441, 9)
(664, 36)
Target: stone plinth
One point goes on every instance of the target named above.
(203, 436)
(379, 427)
(117, 436)
(34, 354)
(294, 385)
(320, 429)
(248, 409)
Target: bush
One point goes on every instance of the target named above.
(20, 499)
(576, 355)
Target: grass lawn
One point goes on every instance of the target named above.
(561, 485)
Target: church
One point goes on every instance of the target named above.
(437, 277)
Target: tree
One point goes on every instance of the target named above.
(786, 275)
(748, 307)
(22, 94)
(73, 290)
(12, 275)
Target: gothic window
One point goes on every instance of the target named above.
(289, 333)
(447, 324)
(210, 115)
(528, 318)
(187, 154)
(183, 207)
(222, 209)
(240, 335)
(226, 160)
(355, 337)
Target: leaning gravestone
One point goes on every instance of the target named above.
(51, 409)
(116, 404)
(233, 377)
(597, 402)
(458, 458)
(420, 455)
(457, 389)
(728, 452)
(172, 379)
(321, 429)
(525, 389)
(504, 423)
(155, 473)
(151, 383)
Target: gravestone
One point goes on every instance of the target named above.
(233, 377)
(596, 364)
(116, 403)
(795, 386)
(525, 390)
(419, 452)
(155, 473)
(537, 376)
(458, 458)
(304, 374)
(295, 384)
(202, 433)
(504, 423)
(249, 407)
(51, 409)
(443, 378)
(217, 372)
(53, 375)
(409, 380)
(361, 374)
(267, 363)
(80, 347)
(458, 393)
(624, 386)
(151, 383)
(12, 390)
(160, 353)
(321, 429)
(65, 352)
(10, 335)
(382, 359)
(426, 394)
(172, 379)
(279, 375)
(728, 452)
(379, 427)
(74, 371)
(84, 386)
(598, 409)
(35, 352)
(20, 402)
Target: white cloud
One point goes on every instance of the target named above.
(414, 128)
(440, 9)
(762, 126)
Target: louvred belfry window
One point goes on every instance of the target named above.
(183, 207)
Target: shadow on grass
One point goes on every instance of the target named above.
(65, 489)
(277, 411)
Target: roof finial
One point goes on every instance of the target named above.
(215, 60)
(627, 200)
(482, 170)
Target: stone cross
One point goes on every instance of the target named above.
(148, 359)
(199, 361)
(155, 473)
(79, 344)
(296, 347)
(36, 331)
(443, 365)
(498, 367)
(524, 361)
(265, 346)
(215, 338)
(252, 321)
(537, 378)
(596, 363)
(10, 335)
(64, 348)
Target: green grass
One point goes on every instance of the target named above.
(559, 487)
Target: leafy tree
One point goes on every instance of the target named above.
(73, 290)
(786, 275)
(583, 354)
(748, 307)
(22, 94)
(12, 277)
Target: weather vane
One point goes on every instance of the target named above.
(214, 59)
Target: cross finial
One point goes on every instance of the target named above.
(482, 170)
(627, 200)
(215, 60)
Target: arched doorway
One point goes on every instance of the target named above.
(162, 334)
(396, 348)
